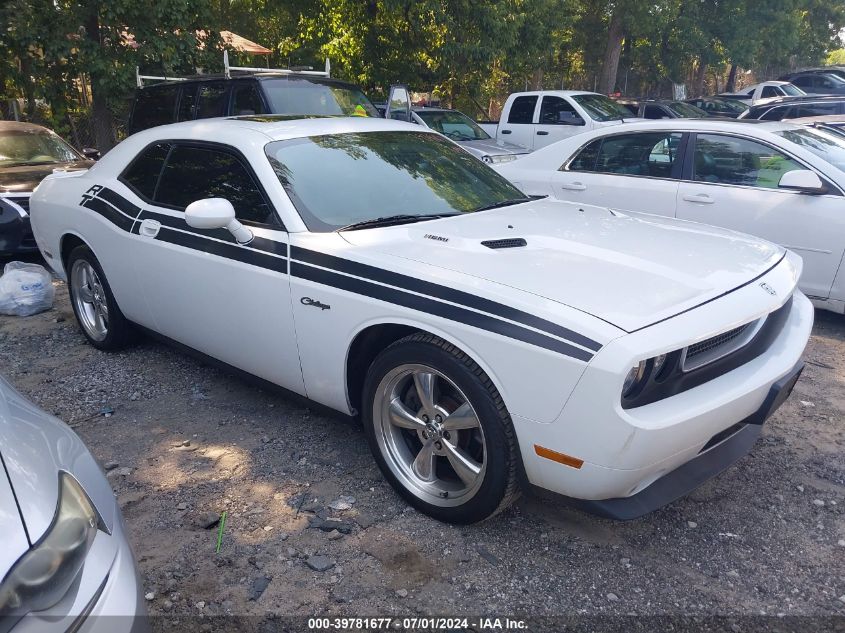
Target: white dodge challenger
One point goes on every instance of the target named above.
(487, 341)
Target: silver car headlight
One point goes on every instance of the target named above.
(42, 576)
(636, 376)
(498, 158)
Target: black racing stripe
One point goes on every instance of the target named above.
(430, 306)
(118, 201)
(258, 243)
(110, 214)
(229, 251)
(441, 292)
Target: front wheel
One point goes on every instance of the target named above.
(439, 430)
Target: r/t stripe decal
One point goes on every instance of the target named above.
(437, 308)
(366, 280)
(440, 292)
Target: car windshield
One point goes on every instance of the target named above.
(792, 91)
(601, 108)
(456, 125)
(341, 179)
(301, 96)
(827, 145)
(34, 147)
(685, 110)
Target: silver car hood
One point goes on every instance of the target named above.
(15, 542)
(35, 447)
(492, 147)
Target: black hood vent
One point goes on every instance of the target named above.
(512, 242)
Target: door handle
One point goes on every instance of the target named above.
(506, 131)
(149, 228)
(700, 198)
(542, 133)
(574, 186)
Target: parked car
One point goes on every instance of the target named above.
(760, 93)
(839, 71)
(818, 83)
(377, 268)
(718, 106)
(468, 134)
(536, 119)
(778, 181)
(28, 153)
(65, 564)
(664, 109)
(834, 124)
(795, 108)
(256, 94)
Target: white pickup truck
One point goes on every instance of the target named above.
(764, 92)
(536, 119)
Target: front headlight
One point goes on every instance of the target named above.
(636, 376)
(42, 576)
(498, 158)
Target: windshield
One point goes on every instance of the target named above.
(685, 110)
(792, 91)
(824, 144)
(601, 108)
(340, 179)
(301, 96)
(34, 147)
(456, 125)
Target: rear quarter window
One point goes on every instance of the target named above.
(153, 106)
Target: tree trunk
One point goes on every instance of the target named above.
(102, 121)
(615, 38)
(731, 85)
(698, 80)
(537, 79)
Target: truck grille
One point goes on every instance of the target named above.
(712, 349)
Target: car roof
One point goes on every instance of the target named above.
(828, 118)
(808, 99)
(20, 126)
(280, 127)
(701, 125)
(262, 76)
(559, 93)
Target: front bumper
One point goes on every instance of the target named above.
(718, 454)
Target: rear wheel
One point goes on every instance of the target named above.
(439, 430)
(99, 318)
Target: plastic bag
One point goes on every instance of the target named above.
(25, 289)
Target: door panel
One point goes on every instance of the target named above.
(558, 119)
(734, 185)
(519, 128)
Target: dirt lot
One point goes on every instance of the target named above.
(182, 440)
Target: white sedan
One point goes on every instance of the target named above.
(782, 182)
(484, 339)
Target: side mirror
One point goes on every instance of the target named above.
(91, 153)
(217, 213)
(803, 181)
(398, 104)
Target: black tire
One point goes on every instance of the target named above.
(499, 486)
(120, 332)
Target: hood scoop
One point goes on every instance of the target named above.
(511, 242)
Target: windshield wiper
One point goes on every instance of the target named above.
(392, 220)
(503, 203)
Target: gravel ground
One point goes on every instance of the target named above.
(312, 528)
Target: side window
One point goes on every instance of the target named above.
(816, 109)
(188, 102)
(154, 106)
(654, 112)
(557, 110)
(142, 174)
(246, 100)
(730, 160)
(770, 91)
(645, 154)
(211, 100)
(193, 173)
(774, 114)
(586, 158)
(804, 81)
(522, 109)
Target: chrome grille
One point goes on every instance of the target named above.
(712, 349)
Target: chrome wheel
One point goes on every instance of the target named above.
(430, 435)
(89, 299)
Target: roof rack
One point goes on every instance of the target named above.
(227, 71)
